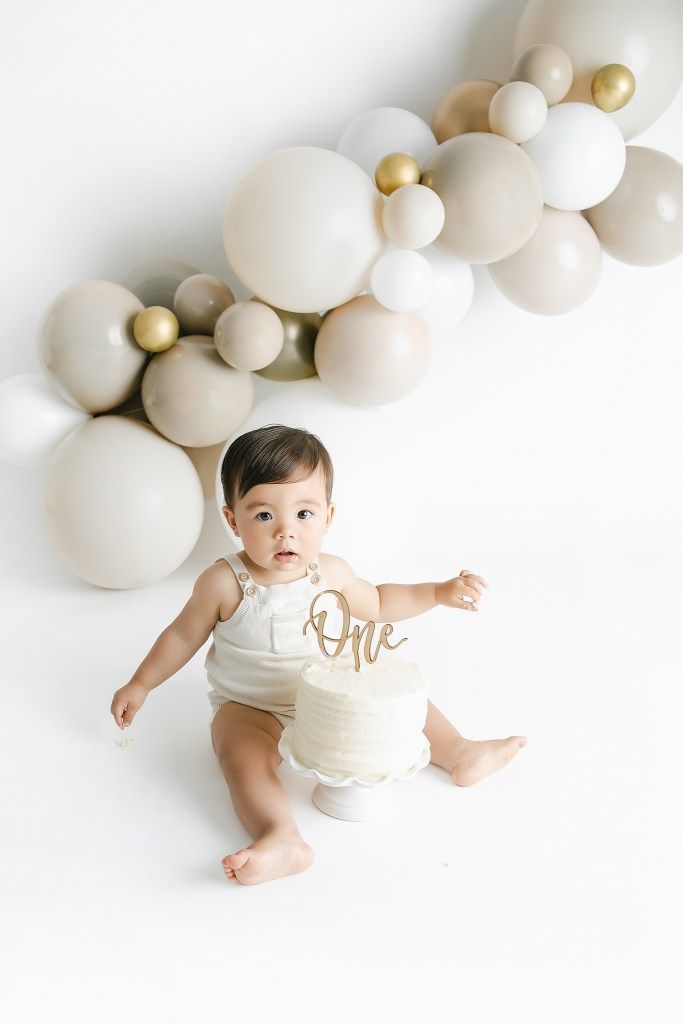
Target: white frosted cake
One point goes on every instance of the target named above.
(367, 724)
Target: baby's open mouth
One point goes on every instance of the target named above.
(285, 551)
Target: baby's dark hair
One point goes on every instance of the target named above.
(270, 455)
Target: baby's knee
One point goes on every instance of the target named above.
(247, 752)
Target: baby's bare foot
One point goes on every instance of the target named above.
(275, 854)
(483, 757)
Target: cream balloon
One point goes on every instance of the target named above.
(646, 37)
(249, 335)
(491, 193)
(122, 506)
(547, 67)
(641, 222)
(369, 355)
(33, 419)
(464, 108)
(156, 281)
(385, 130)
(199, 301)
(87, 348)
(452, 293)
(402, 280)
(367, 449)
(579, 154)
(413, 216)
(518, 111)
(557, 269)
(302, 229)
(192, 396)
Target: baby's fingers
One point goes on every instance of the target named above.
(474, 577)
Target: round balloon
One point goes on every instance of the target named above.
(491, 193)
(33, 419)
(385, 130)
(192, 396)
(413, 216)
(295, 358)
(303, 229)
(87, 347)
(646, 37)
(199, 301)
(249, 335)
(641, 222)
(518, 111)
(156, 281)
(367, 451)
(557, 269)
(452, 292)
(122, 506)
(402, 280)
(369, 355)
(579, 154)
(547, 67)
(464, 108)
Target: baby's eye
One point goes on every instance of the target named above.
(306, 510)
(259, 514)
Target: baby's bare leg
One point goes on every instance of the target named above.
(468, 761)
(245, 741)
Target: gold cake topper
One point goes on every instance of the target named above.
(317, 620)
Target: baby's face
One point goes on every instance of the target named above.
(292, 516)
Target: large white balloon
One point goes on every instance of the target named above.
(452, 292)
(645, 35)
(386, 130)
(303, 229)
(373, 515)
(579, 154)
(122, 506)
(402, 280)
(33, 419)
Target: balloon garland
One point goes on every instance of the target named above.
(357, 259)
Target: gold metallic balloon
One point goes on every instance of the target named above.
(394, 170)
(156, 329)
(612, 87)
(295, 361)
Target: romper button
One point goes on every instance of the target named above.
(315, 578)
(313, 565)
(244, 575)
(251, 591)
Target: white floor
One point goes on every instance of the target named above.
(550, 892)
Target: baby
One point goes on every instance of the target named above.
(277, 484)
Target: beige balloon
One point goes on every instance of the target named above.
(199, 301)
(295, 361)
(518, 111)
(192, 396)
(491, 193)
(464, 108)
(87, 348)
(641, 222)
(548, 68)
(369, 355)
(156, 281)
(122, 506)
(556, 270)
(413, 216)
(249, 335)
(644, 35)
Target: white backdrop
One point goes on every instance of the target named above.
(546, 458)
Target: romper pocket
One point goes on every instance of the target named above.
(287, 633)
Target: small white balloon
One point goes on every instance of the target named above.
(452, 293)
(579, 154)
(402, 280)
(33, 419)
(386, 130)
(413, 216)
(518, 111)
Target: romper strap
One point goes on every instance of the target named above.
(240, 570)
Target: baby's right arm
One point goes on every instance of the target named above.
(174, 647)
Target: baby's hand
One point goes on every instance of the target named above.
(127, 702)
(462, 592)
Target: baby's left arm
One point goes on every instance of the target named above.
(391, 602)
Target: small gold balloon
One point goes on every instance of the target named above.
(612, 87)
(156, 329)
(394, 170)
(295, 361)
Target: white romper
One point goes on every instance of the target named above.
(257, 653)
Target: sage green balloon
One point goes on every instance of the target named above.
(295, 361)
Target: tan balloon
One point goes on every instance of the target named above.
(557, 269)
(612, 87)
(192, 396)
(295, 361)
(491, 193)
(548, 68)
(156, 329)
(199, 301)
(395, 170)
(369, 355)
(87, 348)
(641, 222)
(249, 335)
(205, 461)
(156, 281)
(464, 108)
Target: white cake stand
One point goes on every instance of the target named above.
(349, 798)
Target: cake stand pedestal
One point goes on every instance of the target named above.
(350, 798)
